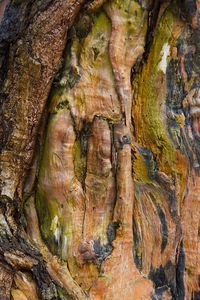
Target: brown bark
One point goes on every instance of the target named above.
(31, 56)
(99, 184)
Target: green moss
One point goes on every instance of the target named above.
(94, 50)
(131, 12)
(56, 230)
(140, 169)
(151, 131)
(139, 19)
(123, 6)
(47, 210)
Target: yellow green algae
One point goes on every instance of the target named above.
(149, 97)
(97, 40)
(124, 6)
(140, 169)
(47, 211)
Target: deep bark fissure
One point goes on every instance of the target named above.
(152, 21)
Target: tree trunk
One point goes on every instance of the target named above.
(100, 159)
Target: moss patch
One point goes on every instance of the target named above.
(149, 97)
(47, 211)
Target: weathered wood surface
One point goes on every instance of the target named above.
(100, 185)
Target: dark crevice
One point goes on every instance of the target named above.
(170, 277)
(153, 13)
(188, 9)
(46, 286)
(163, 223)
(113, 160)
(136, 68)
(152, 21)
(164, 280)
(83, 136)
(103, 251)
(196, 295)
(17, 244)
(15, 13)
(180, 268)
(170, 188)
(150, 162)
(136, 246)
(163, 227)
(158, 276)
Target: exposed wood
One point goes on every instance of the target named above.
(100, 150)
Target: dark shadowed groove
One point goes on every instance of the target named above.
(136, 245)
(15, 13)
(196, 295)
(180, 273)
(163, 227)
(153, 13)
(188, 9)
(153, 17)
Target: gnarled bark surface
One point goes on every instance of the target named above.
(100, 150)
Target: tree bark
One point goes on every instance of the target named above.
(99, 149)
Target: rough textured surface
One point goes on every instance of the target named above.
(110, 206)
(32, 39)
(91, 119)
(31, 63)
